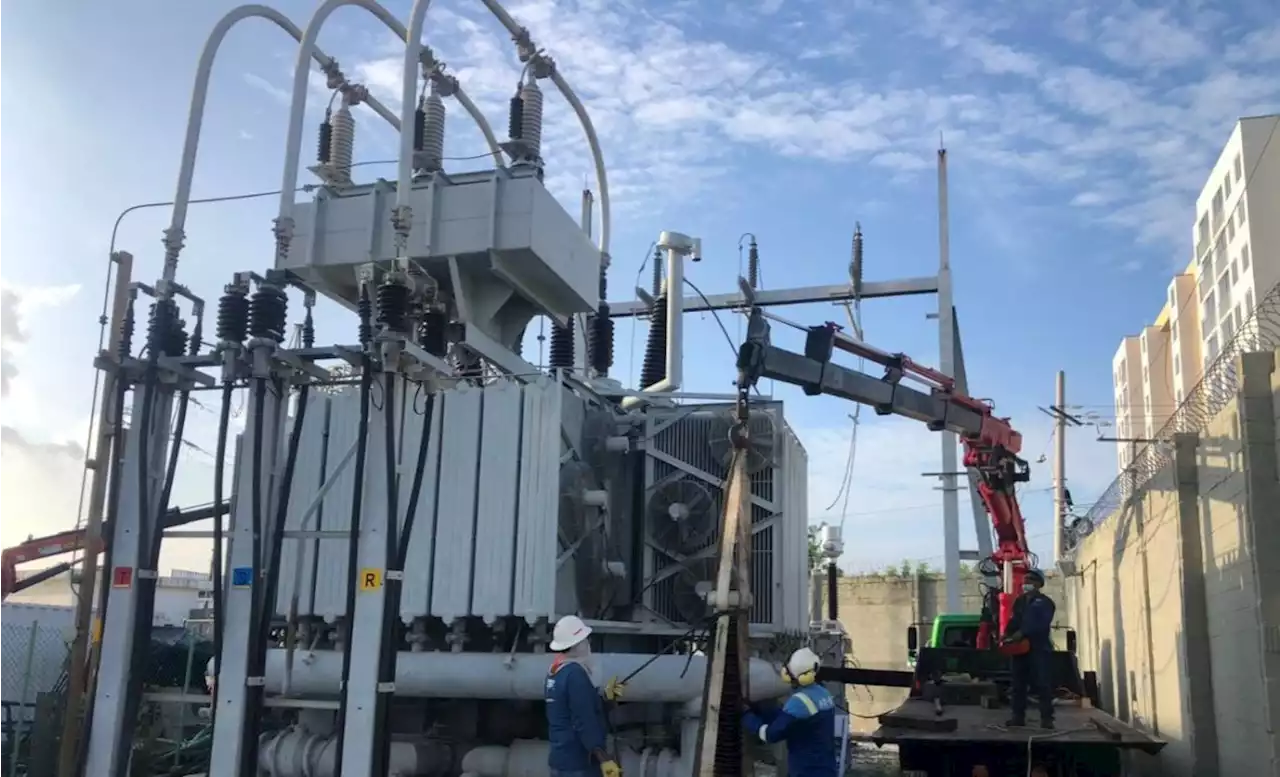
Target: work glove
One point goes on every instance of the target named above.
(610, 769)
(613, 690)
(751, 724)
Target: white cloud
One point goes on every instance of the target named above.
(277, 93)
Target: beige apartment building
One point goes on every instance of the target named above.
(1236, 262)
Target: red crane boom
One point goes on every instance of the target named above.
(991, 445)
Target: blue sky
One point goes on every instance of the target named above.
(1077, 142)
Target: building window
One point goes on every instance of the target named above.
(1175, 332)
(1206, 282)
(1212, 352)
(1235, 270)
(1176, 366)
(1231, 230)
(1239, 168)
(1224, 294)
(1203, 237)
(1228, 328)
(1219, 254)
(1226, 187)
(1248, 302)
(1210, 311)
(1217, 209)
(1178, 396)
(1244, 257)
(1241, 217)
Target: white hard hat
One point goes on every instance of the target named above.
(802, 661)
(569, 631)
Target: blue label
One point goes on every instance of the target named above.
(242, 577)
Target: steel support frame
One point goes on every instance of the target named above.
(360, 738)
(233, 669)
(123, 597)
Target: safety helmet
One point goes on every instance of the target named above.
(1035, 576)
(569, 631)
(802, 667)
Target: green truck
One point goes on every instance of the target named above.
(957, 630)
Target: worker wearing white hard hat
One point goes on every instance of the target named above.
(576, 725)
(806, 722)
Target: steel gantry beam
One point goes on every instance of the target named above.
(907, 287)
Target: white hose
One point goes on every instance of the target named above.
(195, 116)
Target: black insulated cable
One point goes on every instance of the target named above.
(247, 767)
(390, 619)
(163, 330)
(365, 311)
(219, 566)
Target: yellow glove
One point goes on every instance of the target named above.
(610, 769)
(613, 691)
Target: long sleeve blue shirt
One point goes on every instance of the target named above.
(1036, 622)
(575, 718)
(806, 723)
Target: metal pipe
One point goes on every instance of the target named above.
(297, 109)
(195, 116)
(296, 752)
(668, 678)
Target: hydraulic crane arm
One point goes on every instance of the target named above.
(991, 444)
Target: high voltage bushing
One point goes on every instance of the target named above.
(531, 118)
(233, 315)
(515, 116)
(308, 330)
(654, 368)
(268, 313)
(324, 148)
(126, 332)
(656, 284)
(393, 306)
(600, 335)
(433, 122)
(364, 310)
(855, 263)
(562, 346)
(753, 265)
(166, 332)
(342, 152)
(432, 333)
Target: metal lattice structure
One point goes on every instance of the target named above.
(1217, 387)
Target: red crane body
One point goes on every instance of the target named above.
(991, 445)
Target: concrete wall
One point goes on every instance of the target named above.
(1176, 597)
(876, 611)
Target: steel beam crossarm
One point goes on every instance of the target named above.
(780, 297)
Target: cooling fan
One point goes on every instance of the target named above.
(582, 529)
(690, 588)
(761, 440)
(681, 516)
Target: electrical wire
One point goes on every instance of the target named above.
(388, 643)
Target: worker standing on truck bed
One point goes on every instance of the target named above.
(806, 721)
(1032, 620)
(576, 724)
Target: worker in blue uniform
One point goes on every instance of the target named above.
(1032, 621)
(806, 721)
(576, 724)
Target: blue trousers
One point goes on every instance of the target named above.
(588, 773)
(1032, 672)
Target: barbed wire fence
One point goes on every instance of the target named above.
(1219, 385)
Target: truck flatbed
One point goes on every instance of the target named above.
(1074, 725)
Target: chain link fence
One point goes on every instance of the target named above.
(1217, 387)
(34, 674)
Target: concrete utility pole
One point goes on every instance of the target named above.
(947, 365)
(1059, 466)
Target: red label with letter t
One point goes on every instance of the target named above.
(122, 577)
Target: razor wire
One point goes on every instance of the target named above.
(1219, 384)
